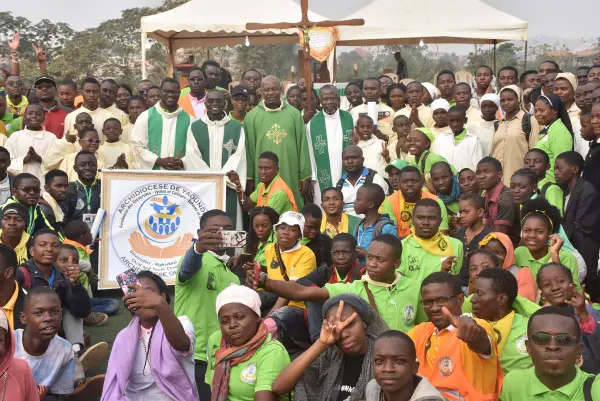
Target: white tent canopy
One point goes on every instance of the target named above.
(196, 23)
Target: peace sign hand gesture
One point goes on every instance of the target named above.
(578, 302)
(332, 328)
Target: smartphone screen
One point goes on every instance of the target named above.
(233, 239)
(245, 258)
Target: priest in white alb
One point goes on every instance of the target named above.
(222, 146)
(161, 138)
(328, 133)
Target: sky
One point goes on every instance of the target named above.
(543, 15)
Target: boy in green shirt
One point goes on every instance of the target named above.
(495, 291)
(553, 344)
(395, 297)
(539, 161)
(202, 275)
(427, 249)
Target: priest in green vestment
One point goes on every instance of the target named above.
(277, 127)
(161, 138)
(221, 142)
(328, 133)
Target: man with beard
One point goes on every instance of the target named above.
(54, 112)
(278, 127)
(221, 142)
(161, 137)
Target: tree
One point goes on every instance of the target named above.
(506, 54)
(275, 59)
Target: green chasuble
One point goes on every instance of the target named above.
(155, 133)
(320, 143)
(282, 132)
(231, 138)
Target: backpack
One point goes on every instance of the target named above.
(587, 388)
(26, 278)
(368, 179)
(544, 189)
(525, 125)
(376, 229)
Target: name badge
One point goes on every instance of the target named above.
(88, 218)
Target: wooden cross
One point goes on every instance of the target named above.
(305, 25)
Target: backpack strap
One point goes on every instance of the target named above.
(370, 296)
(340, 184)
(526, 125)
(26, 276)
(282, 268)
(587, 388)
(369, 177)
(379, 226)
(544, 189)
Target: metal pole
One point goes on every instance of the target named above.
(525, 64)
(144, 72)
(495, 43)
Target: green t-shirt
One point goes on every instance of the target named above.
(523, 385)
(557, 140)
(399, 307)
(418, 264)
(279, 201)
(514, 355)
(554, 195)
(523, 258)
(196, 298)
(256, 374)
(522, 306)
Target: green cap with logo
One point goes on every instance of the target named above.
(398, 163)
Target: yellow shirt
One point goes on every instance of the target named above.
(299, 262)
(480, 370)
(9, 308)
(21, 248)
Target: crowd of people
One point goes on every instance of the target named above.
(415, 241)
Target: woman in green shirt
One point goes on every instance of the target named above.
(262, 220)
(540, 223)
(243, 358)
(419, 142)
(446, 186)
(557, 136)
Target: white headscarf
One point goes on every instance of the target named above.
(431, 89)
(515, 89)
(570, 77)
(440, 104)
(492, 97)
(238, 294)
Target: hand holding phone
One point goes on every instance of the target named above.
(128, 277)
(233, 239)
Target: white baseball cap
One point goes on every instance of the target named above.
(292, 219)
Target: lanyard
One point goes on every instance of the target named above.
(31, 221)
(88, 194)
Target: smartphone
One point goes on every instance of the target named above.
(126, 278)
(245, 258)
(233, 239)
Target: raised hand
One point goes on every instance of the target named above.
(448, 263)
(209, 239)
(578, 302)
(234, 178)
(14, 43)
(40, 54)
(556, 243)
(468, 329)
(332, 328)
(142, 298)
(385, 153)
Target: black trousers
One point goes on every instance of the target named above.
(200, 373)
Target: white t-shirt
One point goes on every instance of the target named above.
(4, 190)
(141, 385)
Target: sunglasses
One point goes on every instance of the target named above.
(562, 340)
(93, 140)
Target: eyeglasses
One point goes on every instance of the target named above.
(14, 83)
(562, 340)
(93, 140)
(196, 79)
(428, 303)
(35, 191)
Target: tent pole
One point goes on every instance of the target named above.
(495, 43)
(170, 60)
(525, 64)
(143, 40)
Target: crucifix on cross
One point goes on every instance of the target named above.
(305, 25)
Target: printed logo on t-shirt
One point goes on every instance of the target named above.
(80, 204)
(248, 374)
(408, 314)
(210, 283)
(413, 264)
(445, 366)
(520, 345)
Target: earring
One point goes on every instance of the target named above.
(579, 361)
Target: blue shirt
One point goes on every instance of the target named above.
(364, 234)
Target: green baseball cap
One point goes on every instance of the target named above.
(398, 163)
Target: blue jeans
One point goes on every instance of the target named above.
(105, 305)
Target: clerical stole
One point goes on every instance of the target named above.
(231, 138)
(155, 133)
(320, 143)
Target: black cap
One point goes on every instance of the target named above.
(48, 79)
(239, 90)
(17, 209)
